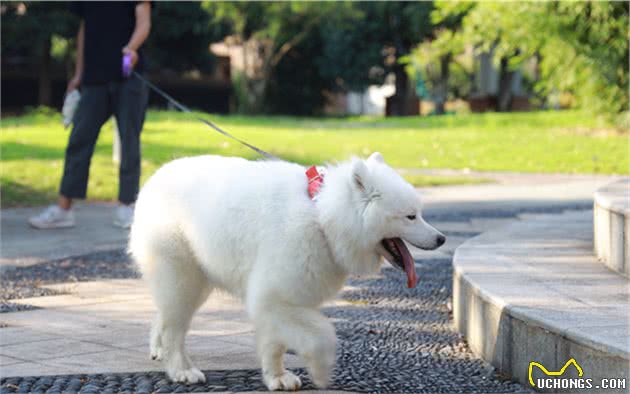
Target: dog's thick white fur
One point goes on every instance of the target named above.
(250, 228)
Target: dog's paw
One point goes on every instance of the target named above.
(286, 381)
(156, 353)
(321, 380)
(320, 373)
(188, 376)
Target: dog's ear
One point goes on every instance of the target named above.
(376, 157)
(359, 174)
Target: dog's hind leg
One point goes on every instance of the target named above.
(179, 288)
(155, 341)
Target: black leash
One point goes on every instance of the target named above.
(184, 108)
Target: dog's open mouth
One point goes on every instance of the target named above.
(401, 258)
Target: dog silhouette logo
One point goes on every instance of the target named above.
(561, 372)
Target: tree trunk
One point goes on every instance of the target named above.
(442, 91)
(245, 106)
(45, 86)
(403, 102)
(258, 91)
(504, 96)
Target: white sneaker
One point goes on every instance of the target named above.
(123, 216)
(53, 217)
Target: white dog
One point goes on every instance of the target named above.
(251, 229)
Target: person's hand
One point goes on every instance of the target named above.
(132, 53)
(74, 83)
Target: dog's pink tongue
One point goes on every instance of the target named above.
(410, 267)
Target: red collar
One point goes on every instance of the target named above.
(315, 180)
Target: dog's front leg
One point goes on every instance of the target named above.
(271, 355)
(318, 346)
(304, 330)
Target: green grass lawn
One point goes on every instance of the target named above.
(32, 146)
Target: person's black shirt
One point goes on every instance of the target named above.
(108, 28)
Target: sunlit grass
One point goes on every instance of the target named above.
(32, 146)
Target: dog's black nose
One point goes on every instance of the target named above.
(440, 240)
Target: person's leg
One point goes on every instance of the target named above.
(94, 109)
(64, 202)
(130, 111)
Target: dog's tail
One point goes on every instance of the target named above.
(138, 250)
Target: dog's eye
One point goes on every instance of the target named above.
(411, 217)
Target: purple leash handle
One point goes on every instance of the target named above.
(126, 66)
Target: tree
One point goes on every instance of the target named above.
(582, 47)
(178, 46)
(28, 29)
(336, 46)
(44, 34)
(436, 62)
(296, 84)
(343, 53)
(262, 30)
(403, 25)
(365, 41)
(351, 55)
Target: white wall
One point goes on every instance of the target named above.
(369, 102)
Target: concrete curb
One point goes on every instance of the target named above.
(611, 218)
(530, 292)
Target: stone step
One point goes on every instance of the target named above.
(531, 291)
(611, 219)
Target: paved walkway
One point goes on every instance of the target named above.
(24, 245)
(103, 327)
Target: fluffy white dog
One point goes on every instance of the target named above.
(251, 229)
